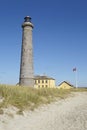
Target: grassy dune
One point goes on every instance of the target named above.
(24, 97)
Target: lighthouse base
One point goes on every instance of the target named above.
(29, 82)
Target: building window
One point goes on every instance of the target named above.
(35, 81)
(38, 81)
(38, 86)
(42, 81)
(42, 86)
(46, 81)
(46, 86)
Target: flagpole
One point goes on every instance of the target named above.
(76, 83)
(76, 79)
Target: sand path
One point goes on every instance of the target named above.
(68, 114)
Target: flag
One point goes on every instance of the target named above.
(74, 69)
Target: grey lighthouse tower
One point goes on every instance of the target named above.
(26, 67)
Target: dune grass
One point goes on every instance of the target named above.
(29, 98)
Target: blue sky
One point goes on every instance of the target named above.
(59, 38)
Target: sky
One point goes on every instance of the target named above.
(59, 39)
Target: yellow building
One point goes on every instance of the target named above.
(65, 85)
(44, 82)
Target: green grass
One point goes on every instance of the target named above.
(30, 98)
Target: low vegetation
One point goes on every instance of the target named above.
(29, 98)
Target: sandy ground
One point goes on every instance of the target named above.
(68, 114)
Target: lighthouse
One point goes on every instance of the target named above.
(26, 66)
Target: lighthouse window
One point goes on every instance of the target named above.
(23, 63)
(24, 50)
